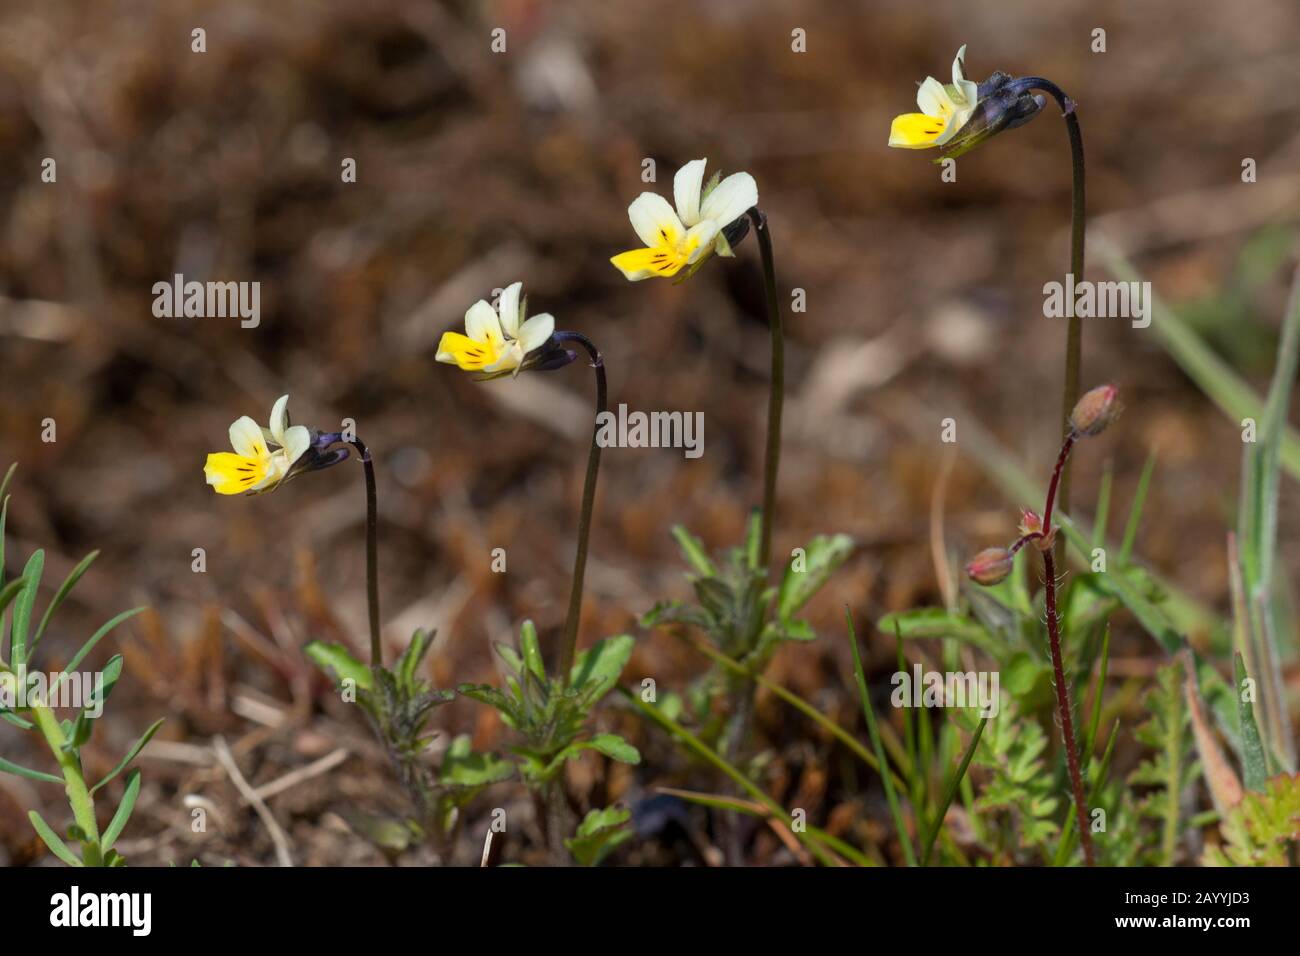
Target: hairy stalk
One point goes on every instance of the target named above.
(372, 551)
(557, 814)
(776, 388)
(742, 713)
(79, 798)
(1058, 668)
(569, 647)
(1078, 227)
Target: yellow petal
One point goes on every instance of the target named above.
(915, 131)
(231, 474)
(640, 264)
(462, 351)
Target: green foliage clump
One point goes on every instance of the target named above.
(30, 706)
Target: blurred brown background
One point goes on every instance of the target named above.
(476, 169)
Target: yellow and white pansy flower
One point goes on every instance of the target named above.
(262, 457)
(944, 110)
(688, 234)
(497, 340)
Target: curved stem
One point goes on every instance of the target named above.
(568, 648)
(1078, 227)
(372, 551)
(776, 388)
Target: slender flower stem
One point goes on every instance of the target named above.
(568, 648)
(1063, 707)
(1058, 669)
(372, 551)
(776, 388)
(1078, 226)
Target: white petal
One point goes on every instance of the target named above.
(730, 199)
(654, 220)
(933, 99)
(508, 306)
(246, 438)
(279, 419)
(968, 91)
(296, 440)
(510, 358)
(686, 191)
(481, 323)
(703, 236)
(536, 331)
(958, 74)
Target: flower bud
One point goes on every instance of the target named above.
(1030, 522)
(1095, 410)
(990, 566)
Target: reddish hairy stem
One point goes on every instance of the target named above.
(1058, 669)
(1063, 706)
(1070, 437)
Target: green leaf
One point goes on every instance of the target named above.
(615, 747)
(11, 591)
(410, 660)
(487, 694)
(64, 589)
(694, 553)
(823, 556)
(86, 648)
(936, 622)
(753, 538)
(131, 755)
(463, 767)
(337, 659)
(123, 814)
(1263, 829)
(23, 610)
(599, 834)
(85, 723)
(601, 664)
(1255, 766)
(7, 767)
(52, 839)
(531, 650)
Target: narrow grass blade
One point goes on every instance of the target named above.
(750, 808)
(1068, 836)
(795, 701)
(950, 791)
(130, 755)
(701, 749)
(1254, 764)
(22, 618)
(895, 811)
(68, 584)
(1102, 516)
(123, 814)
(1135, 510)
(13, 768)
(52, 840)
(1095, 719)
(90, 645)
